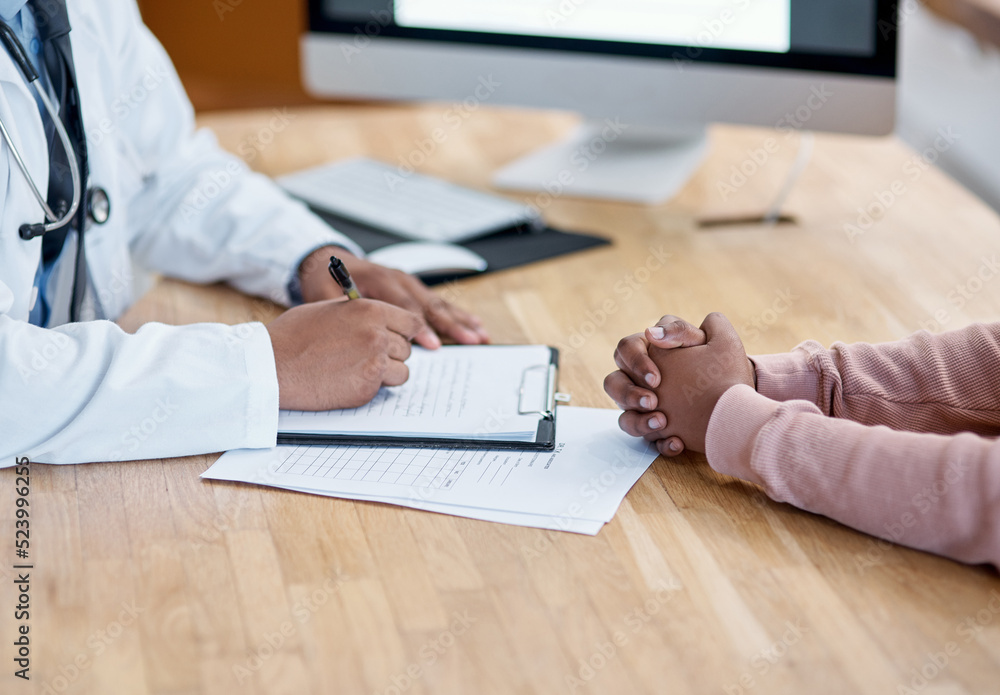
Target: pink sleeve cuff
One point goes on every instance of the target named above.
(788, 376)
(738, 418)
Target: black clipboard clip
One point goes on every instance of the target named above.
(549, 395)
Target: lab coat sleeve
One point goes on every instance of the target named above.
(91, 392)
(201, 214)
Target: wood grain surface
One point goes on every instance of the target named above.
(148, 580)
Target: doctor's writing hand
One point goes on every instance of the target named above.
(440, 318)
(337, 354)
(631, 387)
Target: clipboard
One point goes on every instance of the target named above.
(537, 395)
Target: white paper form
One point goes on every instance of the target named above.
(589, 527)
(577, 487)
(457, 392)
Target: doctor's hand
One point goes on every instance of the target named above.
(337, 354)
(440, 318)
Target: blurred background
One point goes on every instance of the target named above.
(239, 54)
(232, 53)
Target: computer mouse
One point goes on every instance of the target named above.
(429, 258)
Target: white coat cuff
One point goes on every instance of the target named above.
(311, 233)
(262, 397)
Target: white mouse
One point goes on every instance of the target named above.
(429, 258)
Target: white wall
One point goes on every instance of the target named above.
(948, 80)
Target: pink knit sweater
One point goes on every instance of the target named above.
(893, 439)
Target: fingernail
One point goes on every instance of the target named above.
(644, 402)
(650, 379)
(657, 332)
(654, 423)
(673, 446)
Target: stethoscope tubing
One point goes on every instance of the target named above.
(29, 231)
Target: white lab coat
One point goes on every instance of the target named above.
(88, 391)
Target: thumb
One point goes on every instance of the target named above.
(672, 332)
(427, 338)
(719, 331)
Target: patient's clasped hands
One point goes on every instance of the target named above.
(671, 376)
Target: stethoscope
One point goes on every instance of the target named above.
(97, 201)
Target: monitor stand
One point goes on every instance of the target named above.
(606, 159)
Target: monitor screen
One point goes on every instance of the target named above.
(848, 36)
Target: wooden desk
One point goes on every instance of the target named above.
(699, 585)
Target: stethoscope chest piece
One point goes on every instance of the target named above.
(98, 211)
(98, 205)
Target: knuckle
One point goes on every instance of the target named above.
(373, 336)
(436, 305)
(374, 368)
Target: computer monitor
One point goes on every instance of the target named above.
(646, 75)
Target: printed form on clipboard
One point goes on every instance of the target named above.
(496, 396)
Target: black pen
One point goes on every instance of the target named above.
(339, 272)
